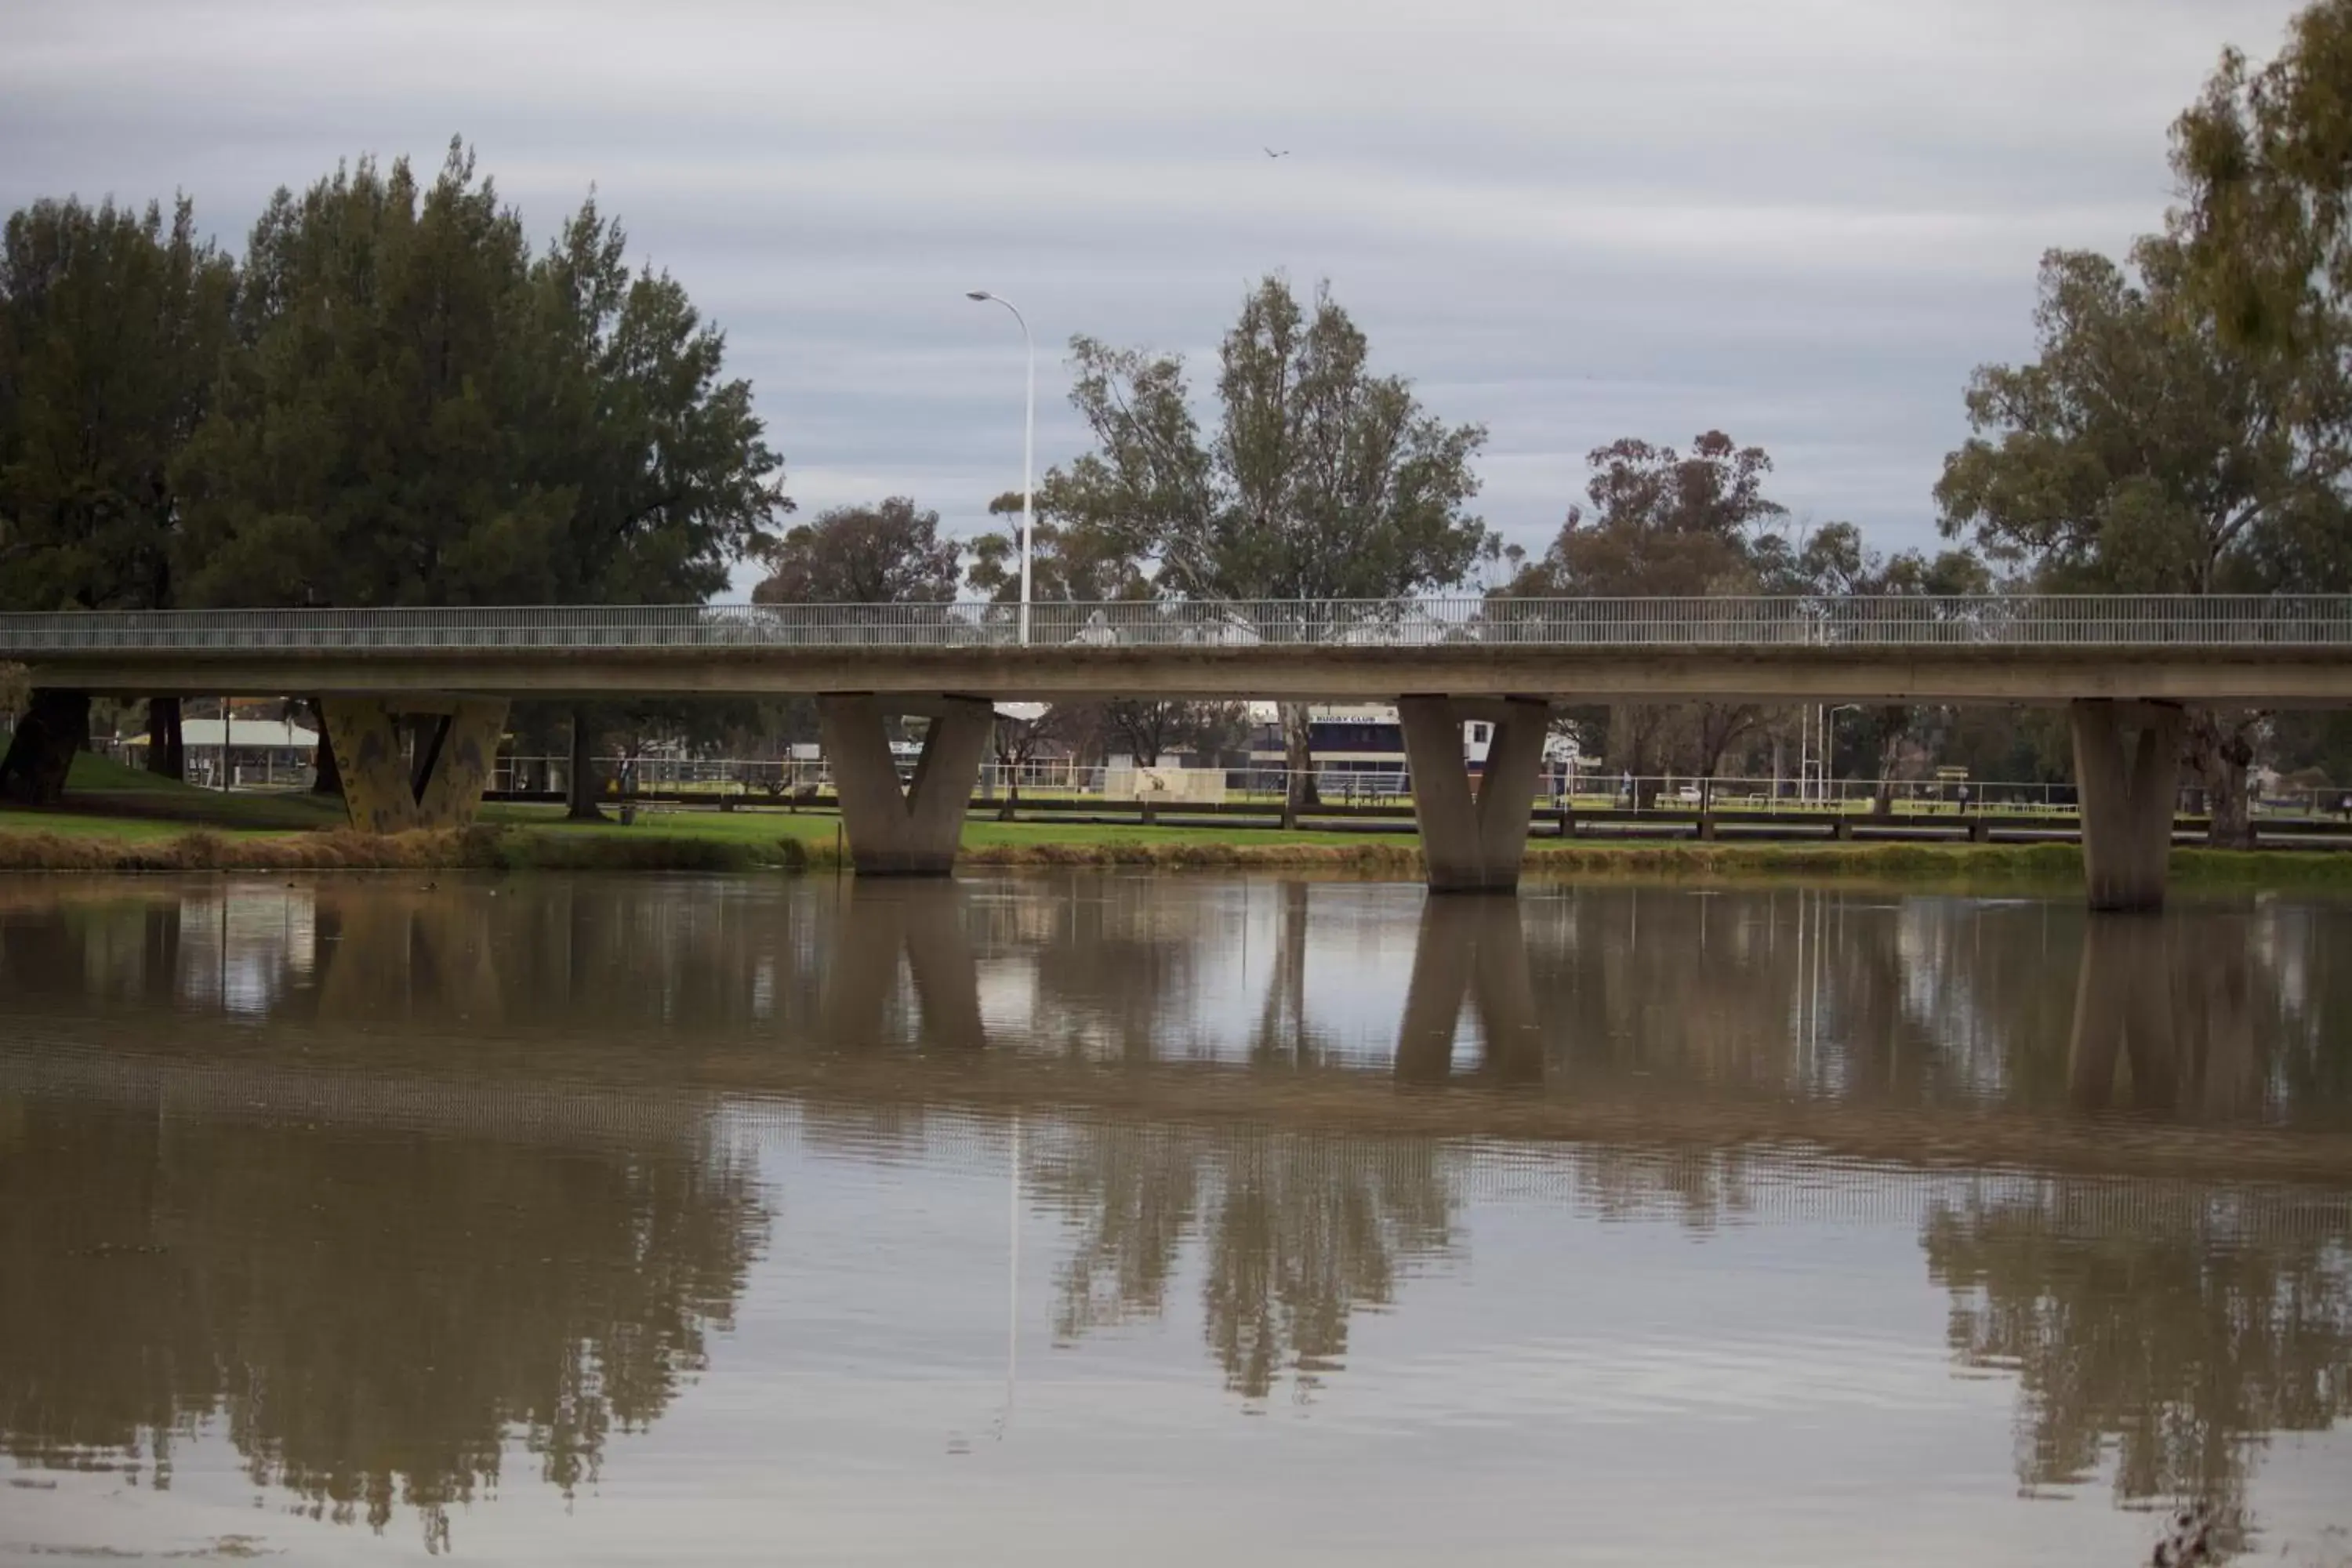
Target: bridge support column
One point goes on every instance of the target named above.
(912, 832)
(2123, 1015)
(1473, 951)
(388, 791)
(53, 726)
(2126, 788)
(922, 922)
(1472, 841)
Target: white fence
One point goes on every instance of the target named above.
(757, 781)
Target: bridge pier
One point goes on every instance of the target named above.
(922, 923)
(386, 791)
(1473, 951)
(2126, 792)
(54, 726)
(2123, 1015)
(915, 831)
(1472, 840)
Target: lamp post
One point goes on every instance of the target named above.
(1028, 447)
(1829, 745)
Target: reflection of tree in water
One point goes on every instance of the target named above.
(1303, 1230)
(369, 1313)
(2175, 1340)
(1286, 1031)
(1131, 1190)
(1697, 1188)
(1298, 1231)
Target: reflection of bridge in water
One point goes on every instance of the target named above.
(1926, 1031)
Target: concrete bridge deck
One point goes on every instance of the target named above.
(2125, 664)
(2049, 649)
(2276, 677)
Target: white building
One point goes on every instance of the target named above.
(260, 751)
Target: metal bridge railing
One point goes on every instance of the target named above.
(2216, 621)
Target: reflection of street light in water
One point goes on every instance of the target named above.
(997, 1428)
(1012, 1284)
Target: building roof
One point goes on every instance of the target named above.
(249, 734)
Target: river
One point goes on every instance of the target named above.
(1079, 1218)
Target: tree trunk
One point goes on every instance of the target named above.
(580, 787)
(1893, 725)
(1299, 762)
(54, 726)
(2220, 747)
(166, 752)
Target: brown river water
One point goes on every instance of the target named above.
(1092, 1218)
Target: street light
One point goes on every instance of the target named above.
(1028, 446)
(1828, 746)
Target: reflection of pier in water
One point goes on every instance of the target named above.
(1931, 1031)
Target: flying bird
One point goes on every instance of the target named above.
(1272, 153)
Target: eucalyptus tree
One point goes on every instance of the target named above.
(1318, 481)
(2145, 451)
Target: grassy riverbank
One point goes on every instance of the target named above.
(119, 820)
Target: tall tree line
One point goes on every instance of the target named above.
(392, 397)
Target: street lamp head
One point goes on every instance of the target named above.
(979, 294)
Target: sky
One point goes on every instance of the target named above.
(1803, 222)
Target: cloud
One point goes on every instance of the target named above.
(1803, 222)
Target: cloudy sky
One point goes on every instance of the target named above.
(1800, 221)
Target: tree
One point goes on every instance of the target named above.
(1663, 523)
(372, 441)
(419, 411)
(111, 328)
(1321, 481)
(1022, 733)
(1836, 564)
(15, 689)
(477, 425)
(1150, 730)
(2142, 452)
(2264, 162)
(1069, 562)
(887, 555)
(670, 470)
(672, 477)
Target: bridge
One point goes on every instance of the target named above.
(2125, 666)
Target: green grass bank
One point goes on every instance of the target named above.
(116, 819)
